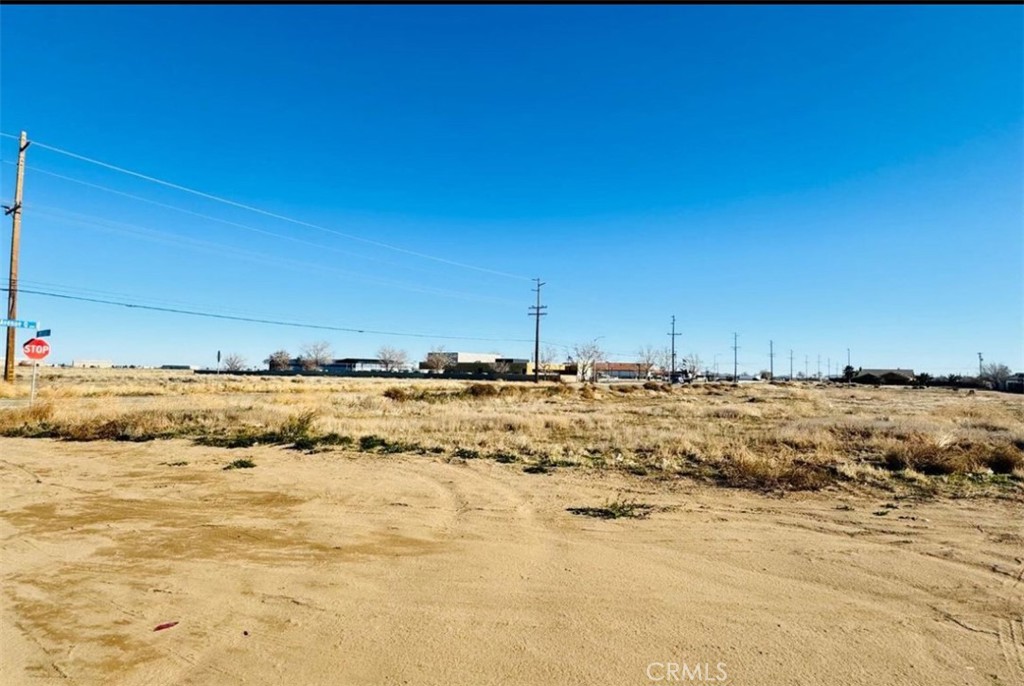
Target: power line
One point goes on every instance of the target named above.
(266, 213)
(49, 289)
(222, 250)
(64, 289)
(256, 320)
(207, 217)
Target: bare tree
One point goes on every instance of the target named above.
(664, 359)
(438, 360)
(392, 358)
(278, 361)
(233, 362)
(995, 373)
(647, 359)
(587, 356)
(549, 355)
(315, 355)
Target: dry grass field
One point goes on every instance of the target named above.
(338, 531)
(759, 436)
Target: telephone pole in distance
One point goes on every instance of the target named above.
(537, 311)
(672, 374)
(735, 362)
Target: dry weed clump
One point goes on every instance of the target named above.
(941, 458)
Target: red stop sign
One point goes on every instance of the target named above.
(36, 349)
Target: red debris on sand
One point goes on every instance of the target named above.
(165, 625)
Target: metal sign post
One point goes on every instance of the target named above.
(35, 349)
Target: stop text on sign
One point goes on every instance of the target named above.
(36, 349)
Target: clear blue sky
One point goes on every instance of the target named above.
(824, 177)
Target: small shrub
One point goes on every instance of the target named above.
(374, 443)
(930, 459)
(239, 440)
(466, 453)
(312, 443)
(617, 509)
(241, 464)
(1005, 460)
(482, 390)
(503, 458)
(397, 394)
(761, 473)
(297, 426)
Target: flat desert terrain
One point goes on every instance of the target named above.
(578, 546)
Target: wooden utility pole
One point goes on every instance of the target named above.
(735, 366)
(537, 311)
(672, 372)
(771, 360)
(12, 282)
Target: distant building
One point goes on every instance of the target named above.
(512, 365)
(1014, 384)
(884, 376)
(92, 364)
(176, 366)
(474, 363)
(620, 370)
(354, 364)
(343, 365)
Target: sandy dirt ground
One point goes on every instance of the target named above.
(339, 568)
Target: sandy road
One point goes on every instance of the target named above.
(339, 568)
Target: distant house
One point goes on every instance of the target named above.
(621, 370)
(343, 365)
(884, 376)
(1014, 384)
(355, 364)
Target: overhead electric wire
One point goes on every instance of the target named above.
(65, 289)
(273, 215)
(258, 320)
(134, 230)
(226, 222)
